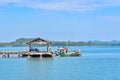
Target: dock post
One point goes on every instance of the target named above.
(40, 56)
(52, 55)
(7, 55)
(29, 56)
(18, 55)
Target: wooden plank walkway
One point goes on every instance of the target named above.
(14, 52)
(27, 54)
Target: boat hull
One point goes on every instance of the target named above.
(69, 55)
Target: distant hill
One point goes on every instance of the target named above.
(18, 42)
(22, 42)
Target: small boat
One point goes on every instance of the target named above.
(63, 52)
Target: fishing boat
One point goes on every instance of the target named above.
(63, 52)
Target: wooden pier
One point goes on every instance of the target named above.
(27, 54)
(14, 52)
(31, 51)
(8, 53)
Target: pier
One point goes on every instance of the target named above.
(27, 54)
(32, 52)
(8, 53)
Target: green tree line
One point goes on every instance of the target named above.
(23, 41)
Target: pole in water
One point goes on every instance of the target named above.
(7, 55)
(40, 56)
(18, 55)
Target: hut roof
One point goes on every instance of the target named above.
(39, 41)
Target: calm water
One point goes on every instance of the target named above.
(96, 63)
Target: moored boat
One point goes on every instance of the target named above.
(63, 52)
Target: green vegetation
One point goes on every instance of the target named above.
(22, 42)
(18, 42)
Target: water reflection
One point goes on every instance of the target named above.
(39, 69)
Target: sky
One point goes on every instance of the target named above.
(60, 20)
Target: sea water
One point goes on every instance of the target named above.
(96, 63)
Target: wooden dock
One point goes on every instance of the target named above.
(32, 52)
(27, 54)
(14, 52)
(6, 54)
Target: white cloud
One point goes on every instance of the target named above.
(69, 5)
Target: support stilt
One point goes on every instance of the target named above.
(18, 55)
(40, 56)
(29, 56)
(53, 55)
(7, 55)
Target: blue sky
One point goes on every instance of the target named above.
(75, 20)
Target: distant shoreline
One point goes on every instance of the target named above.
(22, 42)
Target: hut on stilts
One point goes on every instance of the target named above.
(34, 52)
